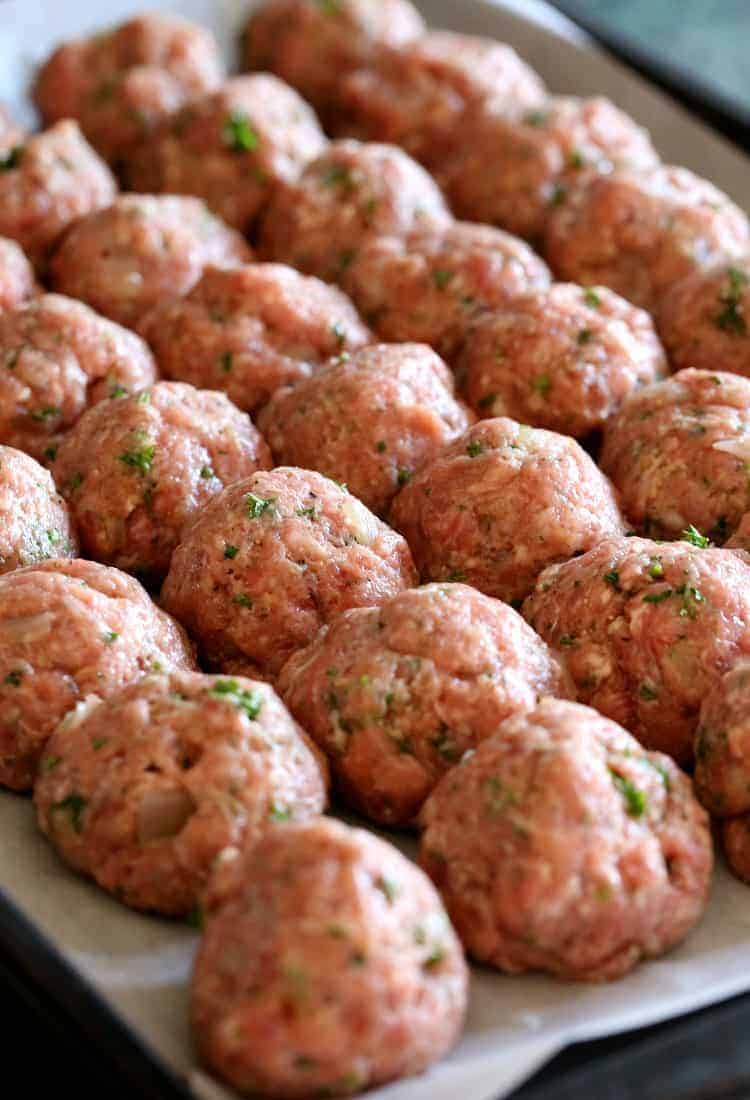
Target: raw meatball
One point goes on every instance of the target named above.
(640, 232)
(418, 96)
(396, 694)
(59, 358)
(349, 195)
(328, 965)
(722, 745)
(273, 558)
(119, 85)
(368, 420)
(34, 519)
(250, 330)
(511, 168)
(562, 846)
(17, 281)
(735, 834)
(312, 43)
(678, 452)
(143, 790)
(136, 470)
(429, 285)
(71, 630)
(648, 628)
(10, 133)
(125, 259)
(500, 504)
(564, 358)
(231, 148)
(703, 319)
(48, 183)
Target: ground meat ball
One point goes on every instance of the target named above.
(232, 148)
(46, 184)
(562, 846)
(337, 921)
(395, 695)
(722, 745)
(534, 156)
(563, 358)
(34, 519)
(640, 232)
(136, 470)
(120, 84)
(10, 133)
(647, 628)
(250, 330)
(418, 96)
(125, 259)
(142, 791)
(312, 44)
(429, 285)
(16, 275)
(273, 558)
(735, 835)
(703, 319)
(369, 420)
(59, 358)
(678, 451)
(70, 630)
(500, 504)
(350, 194)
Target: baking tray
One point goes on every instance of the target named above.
(111, 984)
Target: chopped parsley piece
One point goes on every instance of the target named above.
(476, 447)
(329, 7)
(613, 578)
(98, 743)
(242, 599)
(346, 259)
(558, 195)
(51, 763)
(441, 278)
(647, 693)
(339, 332)
(258, 506)
(655, 569)
(404, 476)
(576, 159)
(591, 298)
(456, 576)
(207, 473)
(230, 551)
(49, 412)
(110, 636)
(730, 319)
(498, 796)
(50, 453)
(196, 918)
(381, 446)
(74, 804)
(139, 460)
(118, 391)
(338, 175)
(535, 118)
(144, 397)
(249, 702)
(225, 359)
(435, 957)
(11, 159)
(566, 640)
(584, 337)
(487, 401)
(658, 597)
(76, 481)
(542, 385)
(308, 512)
(238, 134)
(387, 887)
(279, 813)
(635, 800)
(690, 597)
(692, 535)
(13, 679)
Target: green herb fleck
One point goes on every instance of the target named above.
(591, 298)
(118, 391)
(98, 743)
(388, 887)
(658, 597)
(242, 599)
(542, 384)
(535, 118)
(207, 473)
(690, 597)
(441, 278)
(647, 693)
(635, 799)
(74, 804)
(196, 918)
(49, 412)
(11, 159)
(381, 446)
(50, 763)
(75, 482)
(279, 814)
(258, 506)
(475, 448)
(558, 195)
(238, 134)
(308, 513)
(730, 319)
(584, 337)
(656, 569)
(249, 702)
(339, 332)
(613, 578)
(338, 175)
(225, 359)
(435, 957)
(141, 460)
(692, 535)
(456, 576)
(230, 551)
(13, 679)
(50, 453)
(110, 636)
(404, 476)
(576, 159)
(566, 640)
(487, 401)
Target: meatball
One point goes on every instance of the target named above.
(143, 790)
(648, 628)
(418, 96)
(136, 470)
(71, 630)
(564, 358)
(59, 358)
(48, 183)
(119, 85)
(640, 232)
(396, 694)
(501, 503)
(250, 330)
(368, 420)
(10, 133)
(429, 285)
(312, 44)
(17, 281)
(328, 965)
(678, 452)
(274, 557)
(231, 148)
(735, 834)
(722, 745)
(125, 259)
(349, 195)
(34, 520)
(703, 319)
(511, 168)
(562, 846)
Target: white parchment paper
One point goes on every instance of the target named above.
(515, 1023)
